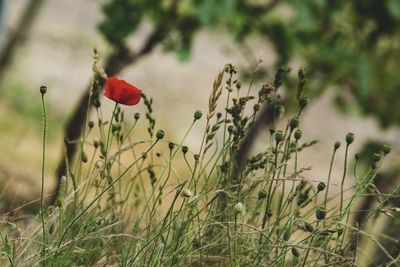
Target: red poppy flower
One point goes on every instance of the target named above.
(122, 92)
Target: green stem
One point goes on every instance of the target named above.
(43, 165)
(99, 195)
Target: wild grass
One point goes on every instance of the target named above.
(131, 200)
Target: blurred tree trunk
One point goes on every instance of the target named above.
(3, 12)
(19, 34)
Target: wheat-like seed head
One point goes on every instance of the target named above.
(216, 93)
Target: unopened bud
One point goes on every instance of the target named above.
(298, 134)
(278, 136)
(43, 89)
(186, 193)
(160, 134)
(349, 138)
(197, 115)
(294, 123)
(320, 213)
(336, 145)
(321, 186)
(386, 149)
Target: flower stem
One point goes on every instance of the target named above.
(42, 182)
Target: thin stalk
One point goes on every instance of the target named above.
(42, 183)
(344, 176)
(98, 196)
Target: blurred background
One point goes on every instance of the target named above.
(173, 50)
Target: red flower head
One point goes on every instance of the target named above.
(121, 92)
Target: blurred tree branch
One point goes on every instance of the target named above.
(117, 61)
(19, 34)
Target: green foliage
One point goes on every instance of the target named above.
(122, 18)
(351, 44)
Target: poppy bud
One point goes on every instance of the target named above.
(376, 157)
(294, 123)
(336, 145)
(171, 146)
(84, 157)
(43, 89)
(309, 228)
(197, 115)
(321, 186)
(256, 107)
(219, 115)
(357, 156)
(295, 252)
(278, 136)
(136, 115)
(262, 194)
(286, 235)
(271, 131)
(196, 157)
(185, 149)
(320, 213)
(91, 124)
(386, 149)
(349, 138)
(238, 85)
(186, 193)
(96, 143)
(298, 134)
(160, 134)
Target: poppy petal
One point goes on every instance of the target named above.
(122, 92)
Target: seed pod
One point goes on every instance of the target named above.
(43, 89)
(294, 123)
(84, 157)
(136, 116)
(336, 145)
(295, 252)
(186, 193)
(278, 136)
(309, 228)
(256, 107)
(321, 186)
(262, 194)
(96, 143)
(286, 235)
(376, 157)
(298, 134)
(196, 157)
(185, 149)
(386, 149)
(320, 213)
(197, 115)
(171, 146)
(90, 124)
(160, 134)
(349, 138)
